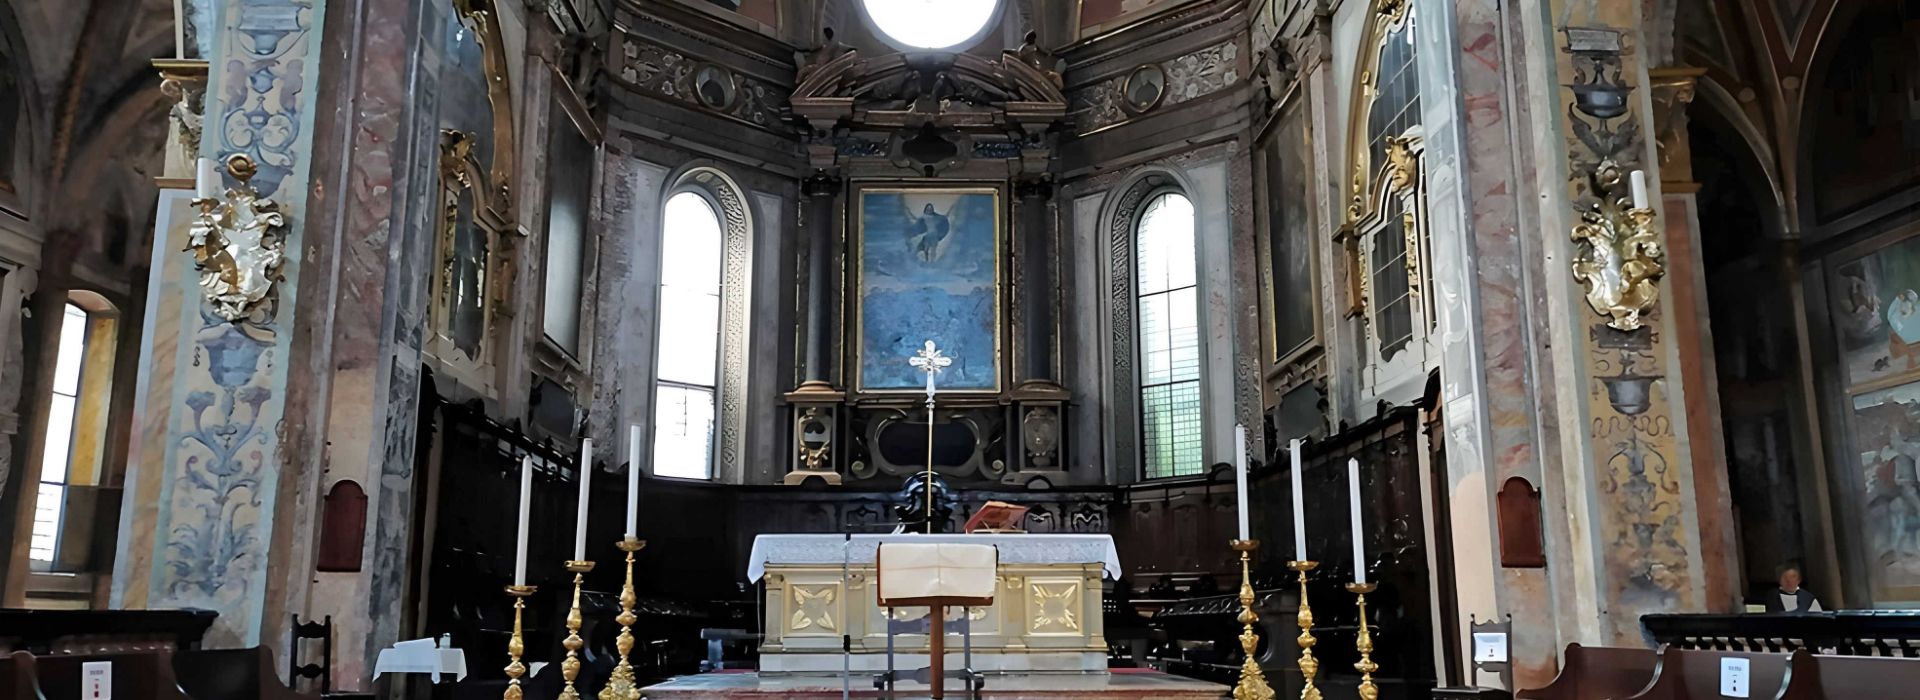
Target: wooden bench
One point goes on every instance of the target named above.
(232, 674)
(16, 677)
(146, 675)
(1598, 673)
(1848, 677)
(1695, 675)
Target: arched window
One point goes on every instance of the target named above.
(1386, 217)
(71, 454)
(691, 291)
(1166, 289)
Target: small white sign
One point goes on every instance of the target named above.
(1489, 647)
(96, 680)
(1734, 681)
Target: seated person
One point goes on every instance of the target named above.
(1790, 597)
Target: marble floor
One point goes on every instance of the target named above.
(1134, 685)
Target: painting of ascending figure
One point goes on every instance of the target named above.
(929, 269)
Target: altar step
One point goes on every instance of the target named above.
(1128, 684)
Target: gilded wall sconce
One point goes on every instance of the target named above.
(1619, 257)
(237, 240)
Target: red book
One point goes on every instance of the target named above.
(997, 516)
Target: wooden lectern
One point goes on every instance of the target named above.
(937, 576)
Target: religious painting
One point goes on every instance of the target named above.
(1866, 124)
(929, 269)
(1886, 489)
(1295, 305)
(1876, 316)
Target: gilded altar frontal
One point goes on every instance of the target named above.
(1090, 349)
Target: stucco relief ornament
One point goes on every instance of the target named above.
(238, 244)
(1620, 257)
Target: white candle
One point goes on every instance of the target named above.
(1639, 182)
(633, 479)
(1240, 477)
(206, 179)
(580, 521)
(526, 507)
(1299, 506)
(1353, 500)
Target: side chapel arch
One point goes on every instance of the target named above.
(729, 202)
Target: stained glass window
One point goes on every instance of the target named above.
(930, 24)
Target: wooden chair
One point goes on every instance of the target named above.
(16, 677)
(1598, 673)
(937, 576)
(145, 675)
(1845, 677)
(1695, 675)
(232, 674)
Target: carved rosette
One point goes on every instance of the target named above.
(237, 241)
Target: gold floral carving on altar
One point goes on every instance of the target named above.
(1055, 607)
(238, 244)
(813, 607)
(1620, 258)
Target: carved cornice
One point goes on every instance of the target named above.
(960, 91)
(659, 71)
(1186, 78)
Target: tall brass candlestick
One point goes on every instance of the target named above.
(515, 645)
(1253, 682)
(620, 684)
(1309, 666)
(1364, 644)
(570, 668)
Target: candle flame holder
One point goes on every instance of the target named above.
(620, 684)
(515, 644)
(570, 668)
(1309, 666)
(1253, 681)
(1363, 642)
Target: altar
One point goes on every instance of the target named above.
(1046, 615)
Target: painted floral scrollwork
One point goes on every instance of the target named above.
(238, 245)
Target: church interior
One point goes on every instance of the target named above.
(1071, 349)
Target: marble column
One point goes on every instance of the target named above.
(1039, 399)
(815, 404)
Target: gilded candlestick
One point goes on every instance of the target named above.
(1364, 644)
(620, 684)
(1253, 682)
(515, 644)
(570, 668)
(1309, 666)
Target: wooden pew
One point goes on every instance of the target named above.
(1598, 673)
(232, 674)
(144, 675)
(1847, 677)
(16, 677)
(1695, 675)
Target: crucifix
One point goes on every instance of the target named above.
(930, 360)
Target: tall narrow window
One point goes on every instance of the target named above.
(76, 426)
(689, 338)
(1167, 296)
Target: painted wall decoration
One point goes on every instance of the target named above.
(223, 457)
(929, 269)
(1094, 13)
(1886, 438)
(1876, 313)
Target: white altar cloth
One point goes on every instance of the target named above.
(1015, 548)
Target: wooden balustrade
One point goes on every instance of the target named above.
(1845, 633)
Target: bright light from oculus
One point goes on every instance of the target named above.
(930, 24)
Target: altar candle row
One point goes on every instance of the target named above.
(1240, 476)
(580, 521)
